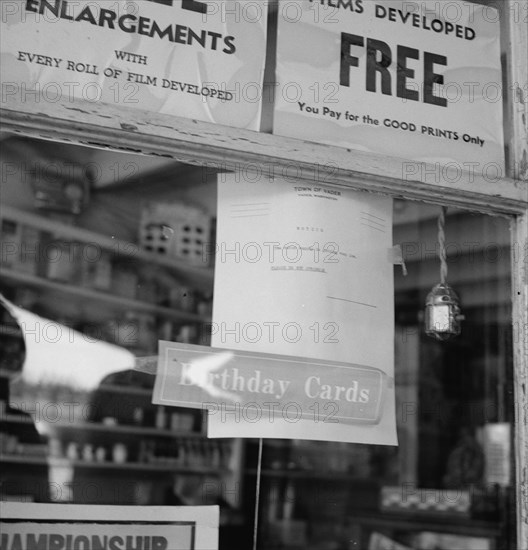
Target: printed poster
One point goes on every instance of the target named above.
(91, 527)
(417, 80)
(199, 59)
(305, 270)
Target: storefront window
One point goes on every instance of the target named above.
(78, 252)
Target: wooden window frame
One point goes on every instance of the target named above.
(217, 147)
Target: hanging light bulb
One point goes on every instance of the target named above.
(442, 309)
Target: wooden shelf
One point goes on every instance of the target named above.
(202, 277)
(15, 419)
(313, 475)
(307, 445)
(428, 522)
(128, 390)
(18, 278)
(140, 466)
(123, 429)
(10, 330)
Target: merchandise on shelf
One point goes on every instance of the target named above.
(96, 271)
(147, 289)
(62, 261)
(119, 453)
(177, 229)
(132, 330)
(30, 250)
(438, 501)
(182, 297)
(94, 284)
(20, 246)
(124, 280)
(54, 192)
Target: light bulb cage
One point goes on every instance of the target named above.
(442, 313)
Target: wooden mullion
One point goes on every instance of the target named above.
(514, 29)
(216, 147)
(520, 360)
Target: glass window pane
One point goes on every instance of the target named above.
(100, 440)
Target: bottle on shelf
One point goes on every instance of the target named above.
(62, 262)
(161, 417)
(119, 453)
(138, 416)
(72, 452)
(124, 280)
(100, 454)
(96, 269)
(88, 453)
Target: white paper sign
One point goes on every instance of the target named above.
(306, 271)
(200, 59)
(417, 80)
(57, 354)
(497, 450)
(68, 526)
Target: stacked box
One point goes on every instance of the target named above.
(176, 230)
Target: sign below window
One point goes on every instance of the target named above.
(192, 58)
(68, 526)
(416, 80)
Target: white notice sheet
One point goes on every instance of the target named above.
(305, 270)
